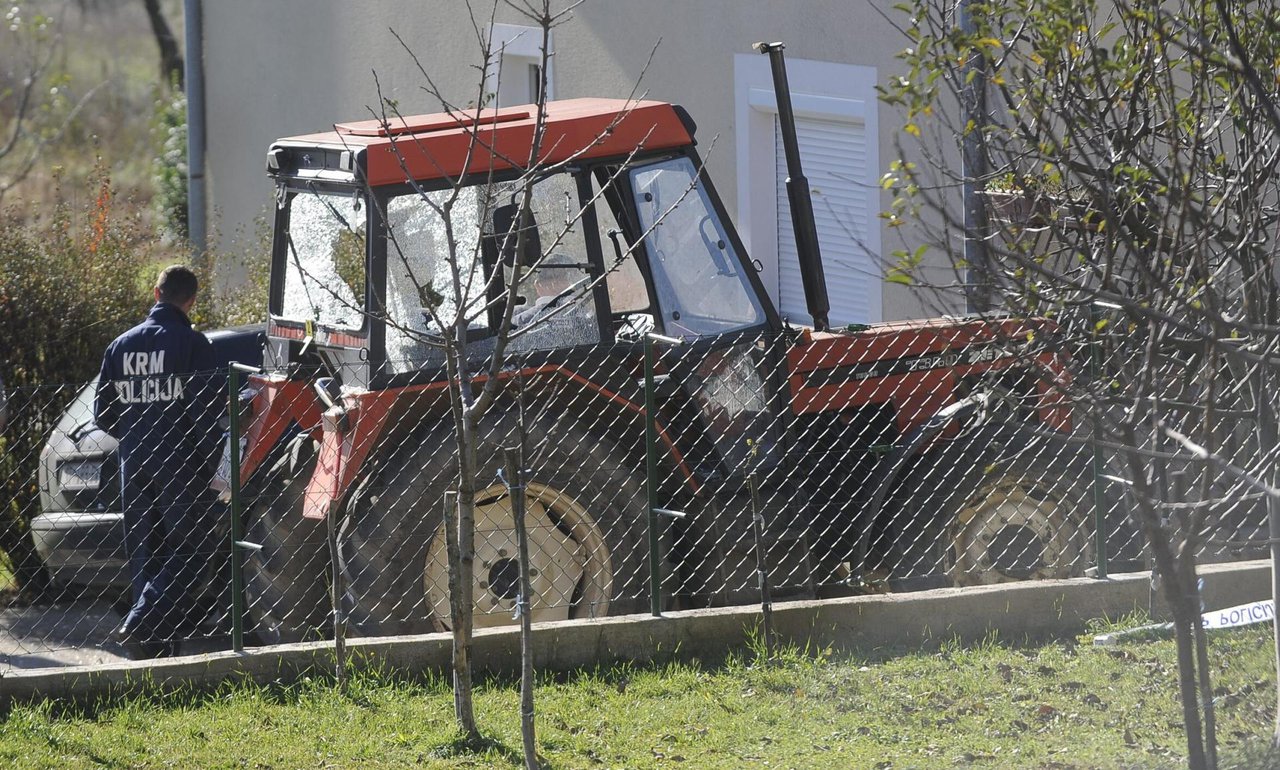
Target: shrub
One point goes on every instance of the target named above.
(169, 166)
(67, 288)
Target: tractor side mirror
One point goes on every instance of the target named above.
(506, 235)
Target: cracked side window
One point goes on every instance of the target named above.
(324, 261)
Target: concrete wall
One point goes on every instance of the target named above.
(297, 66)
(1011, 612)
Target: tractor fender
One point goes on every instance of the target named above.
(889, 471)
(349, 453)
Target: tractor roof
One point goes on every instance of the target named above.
(424, 147)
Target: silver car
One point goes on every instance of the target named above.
(80, 530)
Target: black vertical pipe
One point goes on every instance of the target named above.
(978, 282)
(197, 231)
(815, 282)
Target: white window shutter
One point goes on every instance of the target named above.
(834, 155)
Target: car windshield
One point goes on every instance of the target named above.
(324, 260)
(80, 411)
(698, 276)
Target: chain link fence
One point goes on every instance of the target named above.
(658, 474)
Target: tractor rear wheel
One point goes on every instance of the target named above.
(286, 581)
(584, 512)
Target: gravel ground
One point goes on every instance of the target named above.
(63, 634)
(72, 633)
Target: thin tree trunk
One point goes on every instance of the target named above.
(1211, 398)
(459, 518)
(1206, 692)
(516, 488)
(171, 64)
(1177, 596)
(1184, 617)
(461, 598)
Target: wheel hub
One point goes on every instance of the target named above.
(504, 579)
(1008, 534)
(1017, 552)
(568, 565)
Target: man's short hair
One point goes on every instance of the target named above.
(177, 284)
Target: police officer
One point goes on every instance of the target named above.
(159, 396)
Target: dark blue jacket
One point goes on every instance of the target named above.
(161, 395)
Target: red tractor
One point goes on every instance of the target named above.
(904, 450)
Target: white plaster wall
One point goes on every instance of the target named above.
(298, 66)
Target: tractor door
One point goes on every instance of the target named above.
(724, 391)
(706, 293)
(556, 303)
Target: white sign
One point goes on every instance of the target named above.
(1243, 615)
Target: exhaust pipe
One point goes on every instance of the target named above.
(815, 281)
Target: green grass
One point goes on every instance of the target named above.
(1057, 705)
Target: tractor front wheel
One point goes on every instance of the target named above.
(983, 510)
(1019, 523)
(286, 580)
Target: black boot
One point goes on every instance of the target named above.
(137, 647)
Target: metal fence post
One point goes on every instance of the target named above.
(237, 554)
(1099, 514)
(651, 478)
(762, 563)
(238, 544)
(651, 470)
(336, 591)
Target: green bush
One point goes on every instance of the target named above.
(238, 282)
(169, 166)
(67, 288)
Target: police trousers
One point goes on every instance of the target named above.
(171, 543)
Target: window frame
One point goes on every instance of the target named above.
(286, 193)
(823, 90)
(517, 44)
(748, 266)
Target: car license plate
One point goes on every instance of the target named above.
(82, 476)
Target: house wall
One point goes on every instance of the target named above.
(297, 66)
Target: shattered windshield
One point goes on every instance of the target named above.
(324, 278)
(555, 307)
(421, 291)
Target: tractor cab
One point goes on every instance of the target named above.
(384, 227)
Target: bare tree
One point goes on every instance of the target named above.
(34, 109)
(1132, 190)
(171, 63)
(470, 251)
(453, 309)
